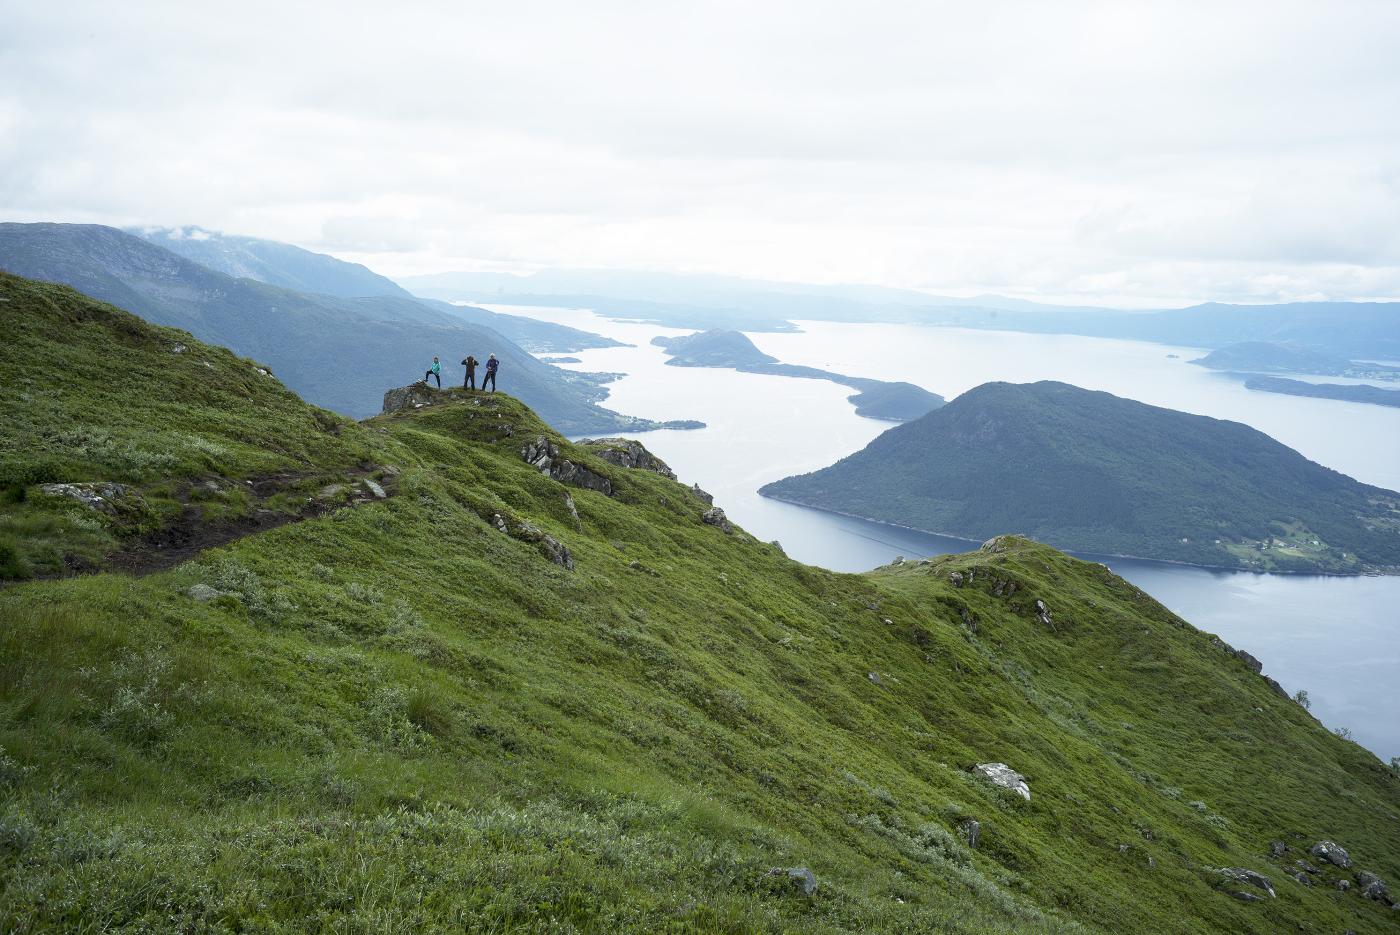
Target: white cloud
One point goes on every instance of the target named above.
(1133, 152)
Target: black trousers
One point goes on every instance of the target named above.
(435, 376)
(489, 378)
(470, 383)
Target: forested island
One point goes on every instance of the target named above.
(1097, 473)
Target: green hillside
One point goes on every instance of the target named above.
(335, 351)
(1096, 473)
(564, 695)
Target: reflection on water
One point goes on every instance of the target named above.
(1334, 637)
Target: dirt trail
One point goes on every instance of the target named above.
(190, 534)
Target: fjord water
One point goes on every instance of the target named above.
(1334, 637)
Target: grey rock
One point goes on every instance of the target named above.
(1002, 775)
(545, 456)
(955, 578)
(1304, 866)
(800, 876)
(374, 487)
(1276, 848)
(1331, 852)
(1252, 663)
(1278, 689)
(715, 517)
(972, 831)
(202, 592)
(102, 496)
(1303, 878)
(1343, 885)
(178, 349)
(1249, 877)
(413, 396)
(1372, 887)
(707, 499)
(969, 619)
(625, 452)
(875, 677)
(525, 531)
(1042, 613)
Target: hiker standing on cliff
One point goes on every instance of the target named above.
(435, 371)
(470, 363)
(492, 365)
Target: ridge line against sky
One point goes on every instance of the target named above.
(1128, 154)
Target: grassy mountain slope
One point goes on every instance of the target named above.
(878, 399)
(340, 353)
(1090, 471)
(403, 715)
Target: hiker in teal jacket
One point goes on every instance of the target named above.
(435, 371)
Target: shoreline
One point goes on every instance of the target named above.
(1082, 555)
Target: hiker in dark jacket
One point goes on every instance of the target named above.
(435, 371)
(470, 363)
(492, 365)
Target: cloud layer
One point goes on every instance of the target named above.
(1119, 152)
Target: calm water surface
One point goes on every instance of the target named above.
(1334, 637)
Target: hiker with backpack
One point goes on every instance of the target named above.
(435, 371)
(470, 363)
(492, 365)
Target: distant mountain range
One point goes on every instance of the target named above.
(281, 264)
(1350, 329)
(877, 399)
(1096, 473)
(337, 351)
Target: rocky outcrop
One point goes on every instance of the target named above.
(413, 396)
(1332, 852)
(624, 452)
(701, 495)
(1241, 875)
(525, 531)
(1372, 887)
(1042, 613)
(972, 831)
(545, 456)
(999, 774)
(102, 496)
(715, 517)
(1253, 664)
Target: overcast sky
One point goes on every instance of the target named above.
(1122, 152)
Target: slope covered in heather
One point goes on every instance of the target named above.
(534, 689)
(1097, 473)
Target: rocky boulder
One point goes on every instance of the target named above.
(701, 495)
(545, 456)
(1331, 852)
(525, 531)
(1372, 887)
(1238, 875)
(715, 517)
(413, 396)
(999, 774)
(102, 496)
(624, 452)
